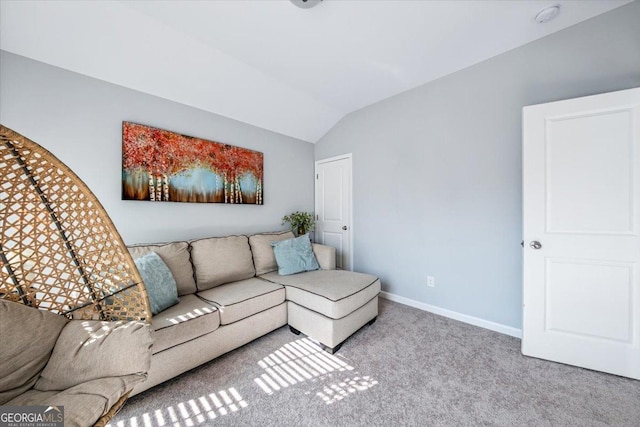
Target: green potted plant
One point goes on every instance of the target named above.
(301, 222)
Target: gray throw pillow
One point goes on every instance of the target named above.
(161, 286)
(294, 255)
(27, 337)
(87, 350)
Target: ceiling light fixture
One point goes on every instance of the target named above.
(306, 4)
(547, 14)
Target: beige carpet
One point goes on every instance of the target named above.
(408, 368)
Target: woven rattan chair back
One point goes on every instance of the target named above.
(59, 249)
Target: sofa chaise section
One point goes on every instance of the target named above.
(332, 293)
(329, 305)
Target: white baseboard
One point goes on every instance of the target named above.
(476, 321)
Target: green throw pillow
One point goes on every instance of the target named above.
(294, 255)
(160, 284)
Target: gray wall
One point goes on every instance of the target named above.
(79, 119)
(437, 170)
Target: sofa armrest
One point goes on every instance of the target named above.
(326, 256)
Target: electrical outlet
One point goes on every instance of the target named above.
(431, 281)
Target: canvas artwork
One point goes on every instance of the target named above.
(160, 165)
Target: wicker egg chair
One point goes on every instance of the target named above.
(59, 249)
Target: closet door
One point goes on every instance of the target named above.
(581, 205)
(334, 223)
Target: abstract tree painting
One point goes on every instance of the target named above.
(160, 165)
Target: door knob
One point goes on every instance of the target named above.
(535, 245)
(344, 227)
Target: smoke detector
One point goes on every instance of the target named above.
(306, 4)
(547, 14)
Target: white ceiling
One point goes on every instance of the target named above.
(270, 64)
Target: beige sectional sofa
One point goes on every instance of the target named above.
(231, 293)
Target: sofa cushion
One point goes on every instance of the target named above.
(160, 284)
(85, 403)
(219, 260)
(176, 256)
(333, 293)
(241, 299)
(263, 258)
(90, 349)
(27, 337)
(295, 255)
(189, 319)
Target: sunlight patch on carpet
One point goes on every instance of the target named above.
(296, 362)
(339, 391)
(303, 360)
(189, 412)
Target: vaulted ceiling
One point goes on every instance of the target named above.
(269, 63)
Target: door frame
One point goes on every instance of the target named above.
(346, 156)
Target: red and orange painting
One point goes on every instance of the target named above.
(160, 165)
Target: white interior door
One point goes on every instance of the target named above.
(581, 183)
(333, 208)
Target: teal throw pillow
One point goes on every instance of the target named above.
(294, 255)
(160, 284)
